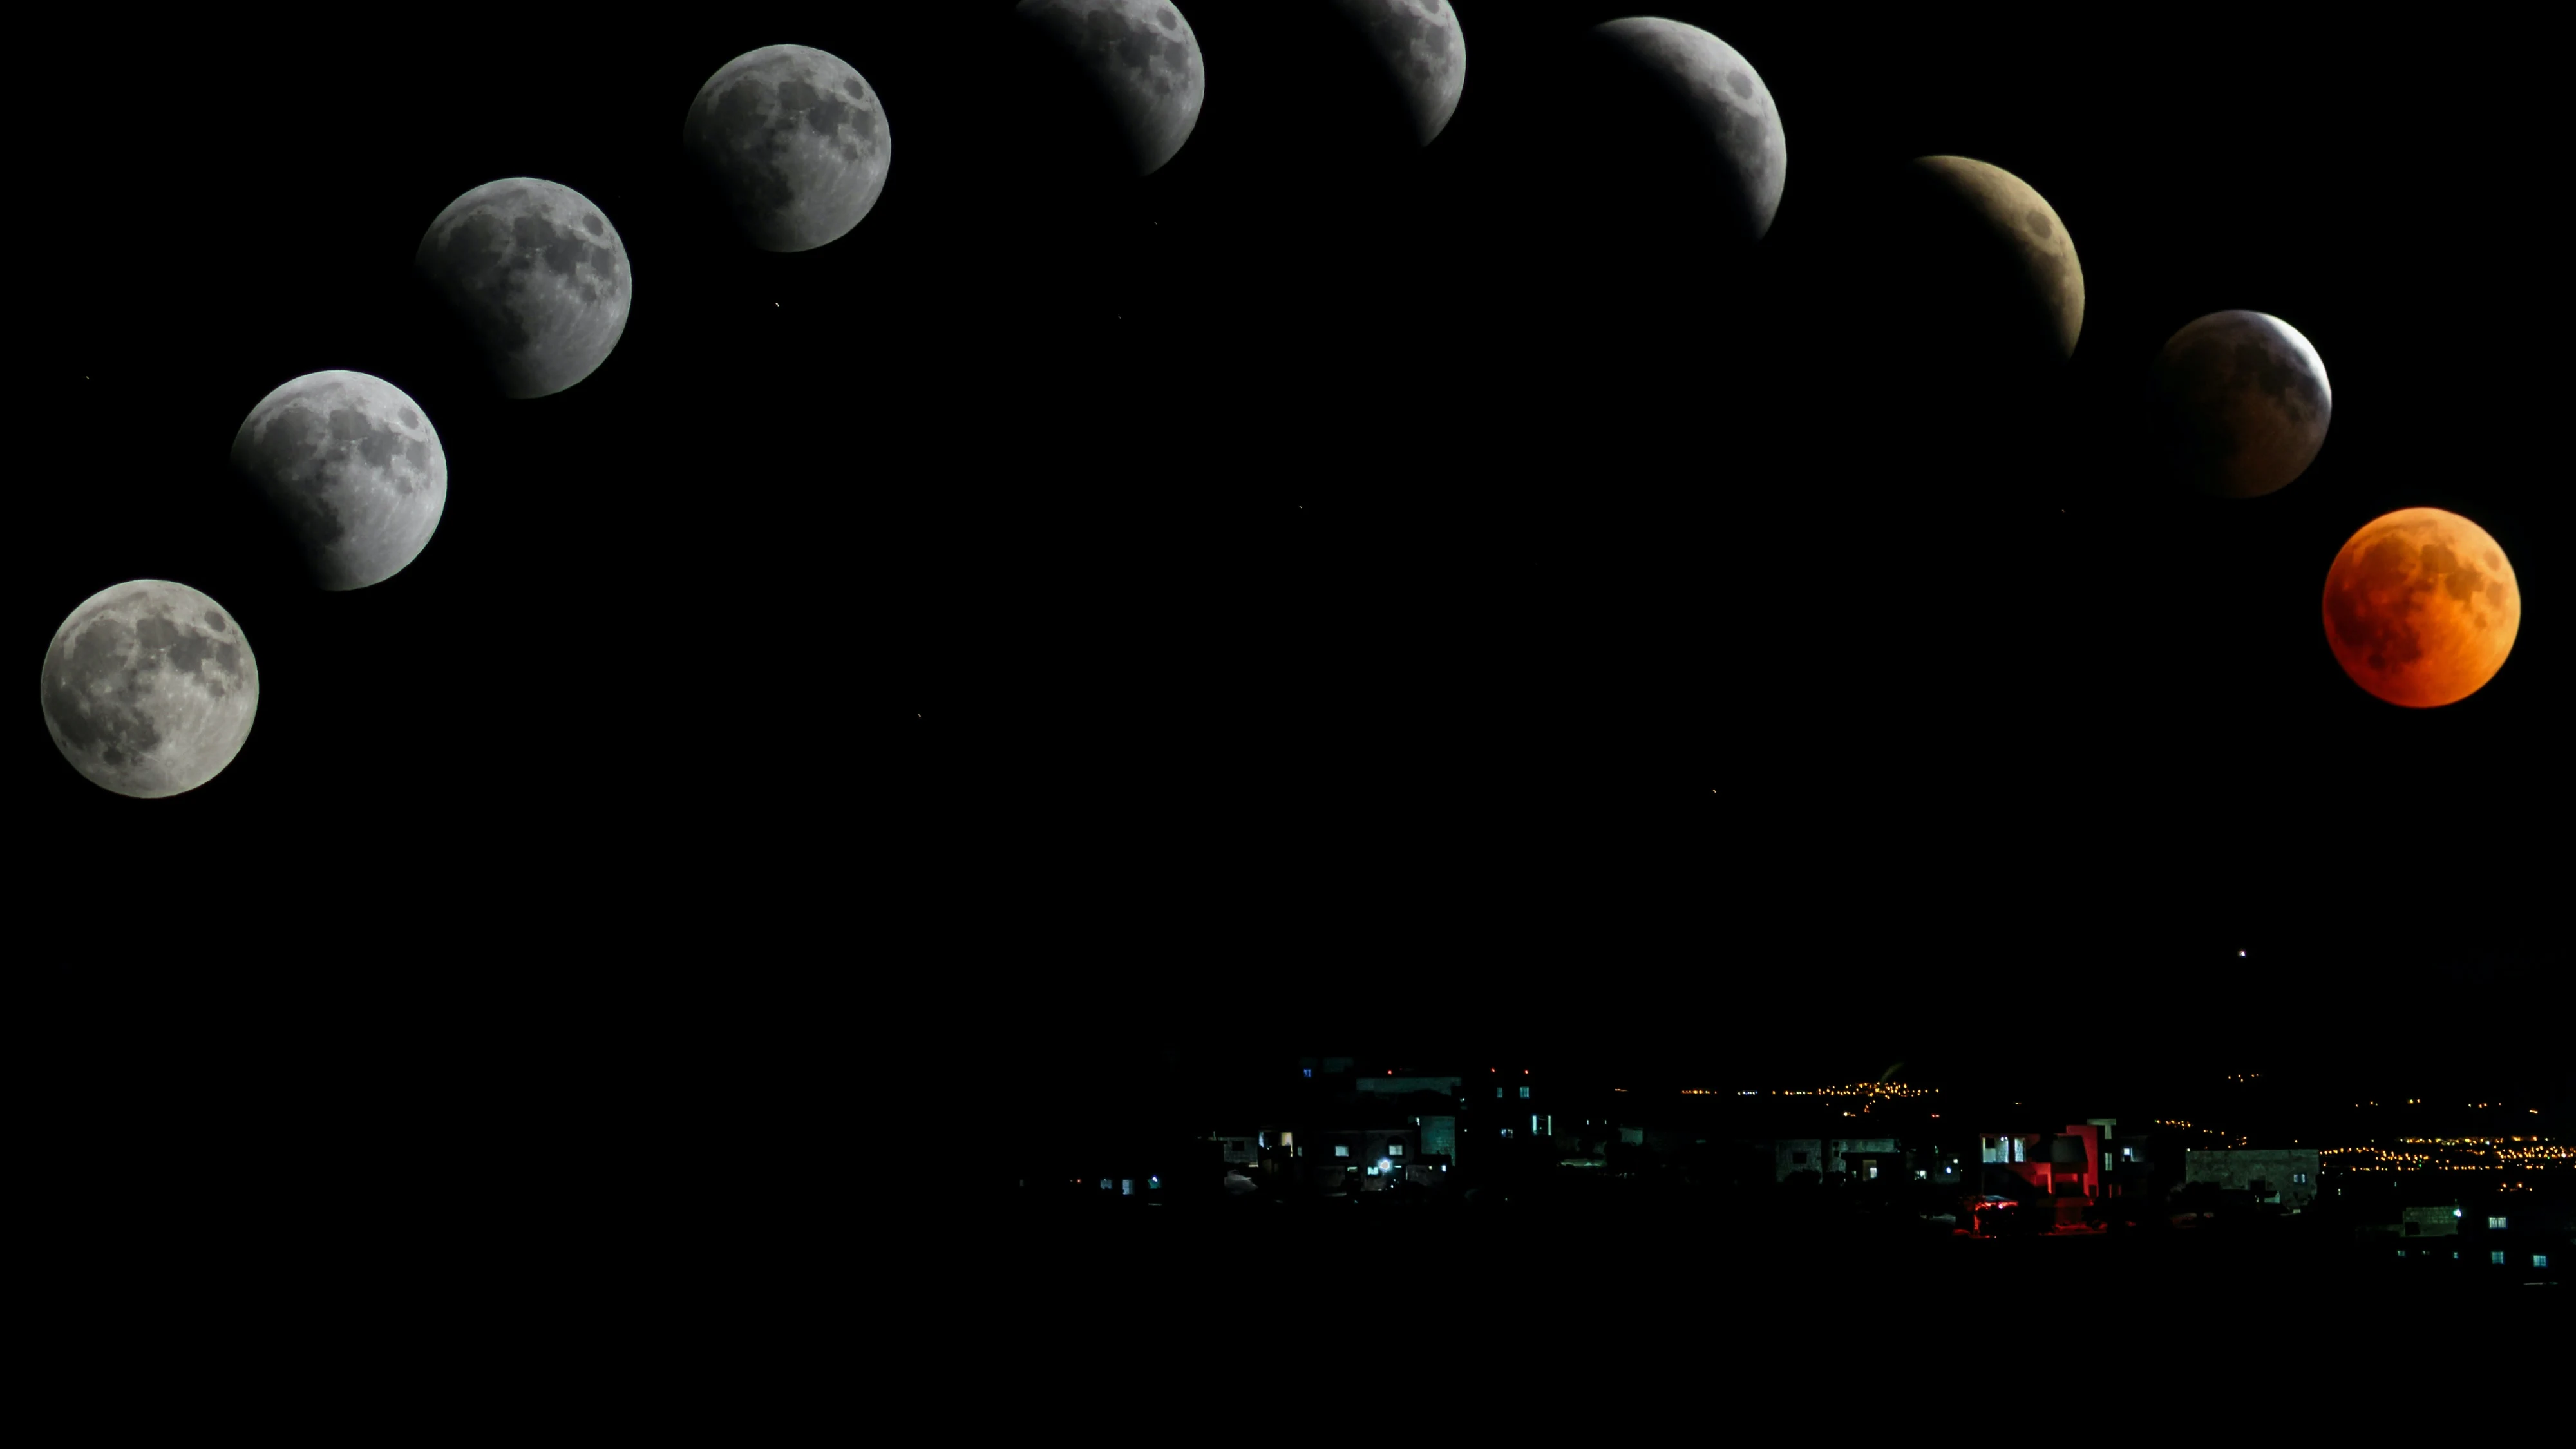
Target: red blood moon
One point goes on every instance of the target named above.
(2421, 607)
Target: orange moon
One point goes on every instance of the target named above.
(2421, 607)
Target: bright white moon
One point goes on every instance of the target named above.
(149, 688)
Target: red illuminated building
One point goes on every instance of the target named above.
(2062, 1166)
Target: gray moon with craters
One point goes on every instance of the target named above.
(1145, 60)
(351, 466)
(794, 141)
(149, 688)
(537, 277)
(2243, 403)
(1721, 92)
(1421, 46)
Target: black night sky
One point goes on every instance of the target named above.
(1302, 595)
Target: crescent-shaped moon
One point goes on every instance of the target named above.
(2023, 225)
(1424, 53)
(1143, 58)
(1722, 96)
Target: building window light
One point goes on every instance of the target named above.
(2540, 1260)
(2496, 1257)
(2495, 1225)
(1395, 1149)
(1524, 1094)
(1341, 1150)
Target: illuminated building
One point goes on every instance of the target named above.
(2518, 1236)
(1390, 1083)
(1344, 1124)
(2283, 1175)
(2064, 1164)
(1862, 1159)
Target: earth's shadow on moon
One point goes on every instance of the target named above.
(1635, 160)
(1067, 139)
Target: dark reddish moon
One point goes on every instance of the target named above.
(2421, 607)
(2243, 403)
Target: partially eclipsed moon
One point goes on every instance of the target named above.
(537, 277)
(1143, 57)
(794, 141)
(2421, 607)
(352, 466)
(1722, 95)
(2243, 403)
(2020, 225)
(1419, 43)
(149, 688)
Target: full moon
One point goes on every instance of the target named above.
(1142, 57)
(795, 143)
(536, 276)
(149, 688)
(1720, 96)
(352, 466)
(2242, 403)
(2421, 607)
